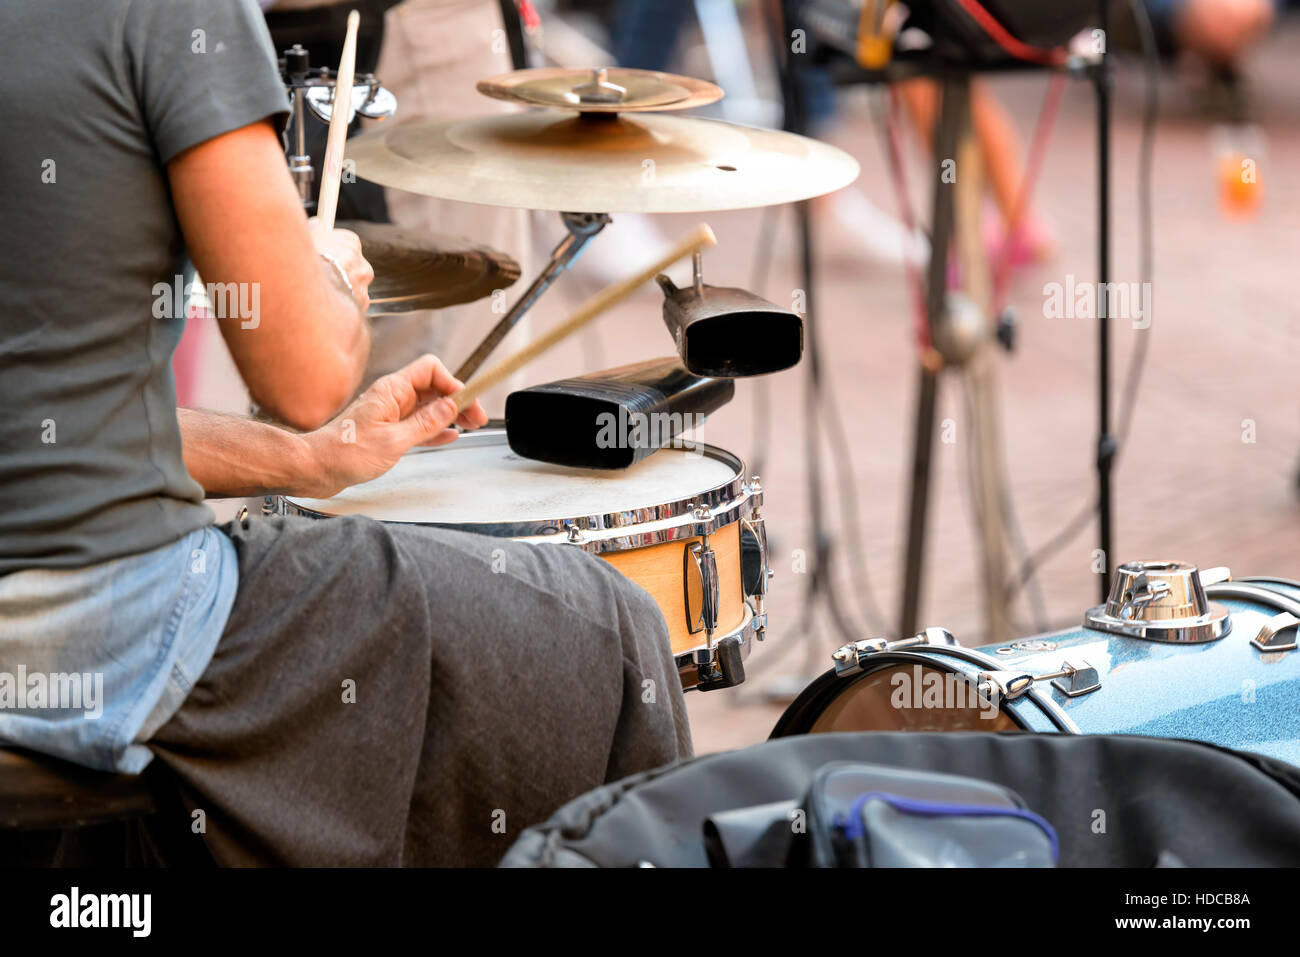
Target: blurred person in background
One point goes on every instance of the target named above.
(1217, 31)
(1219, 34)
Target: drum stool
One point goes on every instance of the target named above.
(53, 812)
(38, 792)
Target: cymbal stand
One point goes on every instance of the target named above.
(313, 88)
(582, 228)
(296, 69)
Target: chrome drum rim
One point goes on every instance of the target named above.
(728, 502)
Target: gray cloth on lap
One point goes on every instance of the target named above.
(493, 681)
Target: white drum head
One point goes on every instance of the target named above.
(478, 480)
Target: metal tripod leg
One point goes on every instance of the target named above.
(954, 116)
(981, 378)
(1106, 442)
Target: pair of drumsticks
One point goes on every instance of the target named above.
(327, 205)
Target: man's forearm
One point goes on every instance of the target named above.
(234, 457)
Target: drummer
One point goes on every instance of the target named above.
(333, 692)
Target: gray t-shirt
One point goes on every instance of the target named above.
(98, 96)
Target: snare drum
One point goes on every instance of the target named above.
(1167, 656)
(684, 524)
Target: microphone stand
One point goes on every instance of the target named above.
(1107, 444)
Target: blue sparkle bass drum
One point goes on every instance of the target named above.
(1175, 652)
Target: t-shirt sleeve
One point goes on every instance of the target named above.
(202, 68)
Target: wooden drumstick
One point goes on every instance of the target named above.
(692, 242)
(340, 116)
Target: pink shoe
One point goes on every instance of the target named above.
(1033, 241)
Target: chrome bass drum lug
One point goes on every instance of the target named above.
(1278, 633)
(852, 658)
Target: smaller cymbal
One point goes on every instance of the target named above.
(601, 90)
(416, 270)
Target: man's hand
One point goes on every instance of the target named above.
(343, 246)
(406, 408)
(239, 457)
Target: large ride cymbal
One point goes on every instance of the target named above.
(601, 163)
(612, 90)
(416, 270)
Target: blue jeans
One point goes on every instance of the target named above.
(94, 660)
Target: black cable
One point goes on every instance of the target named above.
(774, 22)
(1151, 108)
(868, 607)
(1009, 521)
(762, 386)
(1037, 599)
(837, 442)
(1137, 363)
(969, 470)
(821, 583)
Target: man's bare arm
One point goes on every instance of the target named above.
(303, 354)
(233, 457)
(236, 457)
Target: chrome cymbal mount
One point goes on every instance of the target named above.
(313, 88)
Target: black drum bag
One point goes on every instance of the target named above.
(1113, 800)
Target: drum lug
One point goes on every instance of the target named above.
(1004, 685)
(1072, 679)
(1077, 677)
(756, 529)
(703, 524)
(701, 571)
(711, 588)
(754, 580)
(1278, 634)
(850, 658)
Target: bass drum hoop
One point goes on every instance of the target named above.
(813, 701)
